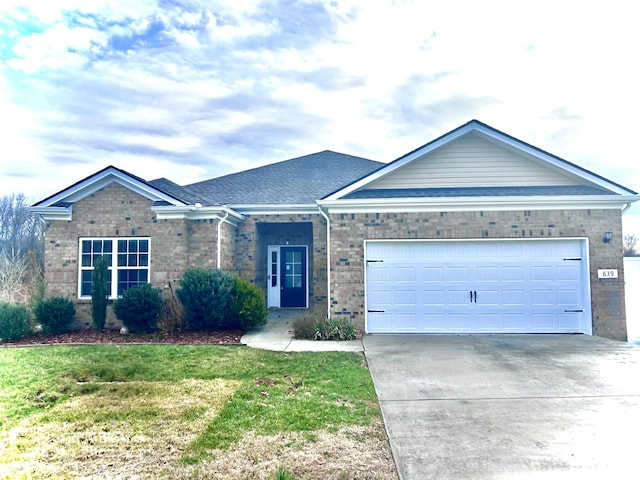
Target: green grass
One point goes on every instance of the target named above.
(267, 392)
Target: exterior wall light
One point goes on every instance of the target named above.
(608, 236)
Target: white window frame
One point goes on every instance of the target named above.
(114, 268)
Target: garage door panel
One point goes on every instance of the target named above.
(457, 274)
(378, 273)
(518, 286)
(514, 298)
(433, 274)
(405, 298)
(403, 273)
(544, 322)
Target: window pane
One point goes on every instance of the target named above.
(122, 246)
(108, 257)
(144, 260)
(86, 260)
(143, 276)
(86, 246)
(97, 246)
(133, 260)
(85, 283)
(107, 246)
(133, 245)
(144, 245)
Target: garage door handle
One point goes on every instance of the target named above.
(577, 310)
(473, 296)
(376, 311)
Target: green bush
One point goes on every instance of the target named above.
(99, 293)
(248, 306)
(55, 314)
(14, 322)
(338, 329)
(206, 296)
(139, 308)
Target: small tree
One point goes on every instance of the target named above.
(630, 246)
(248, 307)
(206, 297)
(99, 293)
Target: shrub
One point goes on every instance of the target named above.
(172, 314)
(99, 293)
(338, 329)
(206, 297)
(311, 327)
(139, 308)
(248, 306)
(14, 322)
(305, 327)
(55, 314)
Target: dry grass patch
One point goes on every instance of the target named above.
(115, 430)
(355, 452)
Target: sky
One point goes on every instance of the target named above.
(194, 89)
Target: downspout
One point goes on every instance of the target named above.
(326, 216)
(219, 260)
(625, 208)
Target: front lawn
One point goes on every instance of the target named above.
(181, 411)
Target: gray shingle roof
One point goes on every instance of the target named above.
(478, 191)
(301, 180)
(175, 190)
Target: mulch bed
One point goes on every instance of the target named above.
(84, 337)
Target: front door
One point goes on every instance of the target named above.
(287, 276)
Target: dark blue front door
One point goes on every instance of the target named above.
(293, 277)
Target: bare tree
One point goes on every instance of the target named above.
(20, 232)
(630, 246)
(21, 249)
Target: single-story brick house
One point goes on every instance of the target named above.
(474, 232)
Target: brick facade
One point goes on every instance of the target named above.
(176, 245)
(116, 211)
(348, 232)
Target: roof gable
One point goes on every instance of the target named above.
(101, 179)
(476, 156)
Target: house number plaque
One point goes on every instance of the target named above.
(607, 273)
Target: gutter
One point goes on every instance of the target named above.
(219, 227)
(326, 216)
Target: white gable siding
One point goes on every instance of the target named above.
(472, 161)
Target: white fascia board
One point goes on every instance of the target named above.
(53, 213)
(276, 209)
(93, 184)
(467, 204)
(195, 212)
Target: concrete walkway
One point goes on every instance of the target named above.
(277, 335)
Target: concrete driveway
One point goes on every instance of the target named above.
(509, 406)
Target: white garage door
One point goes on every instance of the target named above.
(508, 286)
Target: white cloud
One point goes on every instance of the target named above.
(205, 87)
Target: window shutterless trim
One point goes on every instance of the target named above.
(129, 262)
